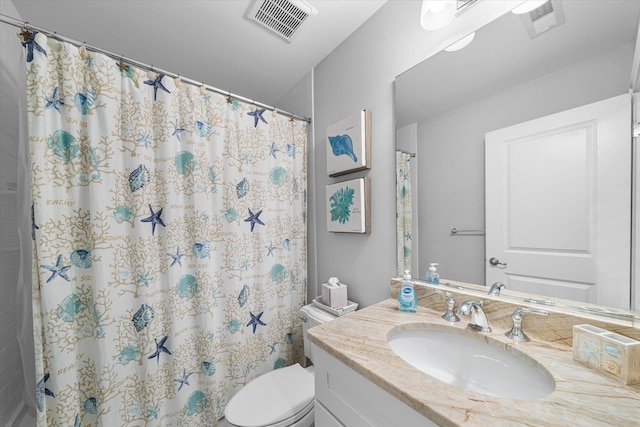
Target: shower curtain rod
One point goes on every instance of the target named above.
(24, 24)
(406, 152)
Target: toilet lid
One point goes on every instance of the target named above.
(271, 398)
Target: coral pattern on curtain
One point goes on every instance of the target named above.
(404, 227)
(169, 246)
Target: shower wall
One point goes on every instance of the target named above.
(11, 369)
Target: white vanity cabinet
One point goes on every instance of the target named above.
(346, 398)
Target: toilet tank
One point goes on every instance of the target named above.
(312, 316)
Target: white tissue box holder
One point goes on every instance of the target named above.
(334, 296)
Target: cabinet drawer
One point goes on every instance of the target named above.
(323, 418)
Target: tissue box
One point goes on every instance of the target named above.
(615, 355)
(334, 296)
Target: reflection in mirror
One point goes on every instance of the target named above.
(404, 211)
(516, 71)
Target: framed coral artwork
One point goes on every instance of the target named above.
(348, 144)
(348, 209)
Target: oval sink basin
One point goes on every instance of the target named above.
(465, 362)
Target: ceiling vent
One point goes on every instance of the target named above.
(283, 17)
(544, 18)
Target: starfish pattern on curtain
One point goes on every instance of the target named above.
(154, 297)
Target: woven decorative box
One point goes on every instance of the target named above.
(613, 354)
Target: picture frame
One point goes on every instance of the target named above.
(349, 144)
(348, 206)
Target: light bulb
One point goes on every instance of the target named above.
(435, 14)
(436, 6)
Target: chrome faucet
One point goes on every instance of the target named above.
(474, 309)
(496, 288)
(516, 333)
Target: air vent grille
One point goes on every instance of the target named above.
(541, 12)
(283, 17)
(543, 19)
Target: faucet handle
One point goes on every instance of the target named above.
(516, 333)
(450, 315)
(531, 310)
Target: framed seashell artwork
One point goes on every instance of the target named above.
(348, 144)
(348, 209)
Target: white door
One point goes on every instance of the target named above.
(558, 204)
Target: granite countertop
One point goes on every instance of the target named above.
(582, 397)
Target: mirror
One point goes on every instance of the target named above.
(446, 104)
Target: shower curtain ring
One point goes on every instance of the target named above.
(82, 51)
(25, 35)
(151, 74)
(121, 65)
(55, 42)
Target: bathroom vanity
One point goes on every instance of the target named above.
(346, 398)
(361, 381)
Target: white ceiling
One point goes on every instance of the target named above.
(209, 41)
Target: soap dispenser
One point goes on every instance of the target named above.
(407, 298)
(433, 276)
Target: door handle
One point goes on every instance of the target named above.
(496, 262)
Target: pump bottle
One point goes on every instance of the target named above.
(407, 299)
(433, 276)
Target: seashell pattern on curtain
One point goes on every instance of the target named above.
(169, 242)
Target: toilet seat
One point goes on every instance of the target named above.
(277, 398)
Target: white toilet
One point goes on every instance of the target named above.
(282, 397)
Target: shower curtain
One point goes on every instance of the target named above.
(169, 241)
(404, 226)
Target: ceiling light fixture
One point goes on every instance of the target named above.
(435, 14)
(463, 42)
(528, 6)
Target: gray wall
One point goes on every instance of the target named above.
(359, 74)
(11, 370)
(451, 155)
